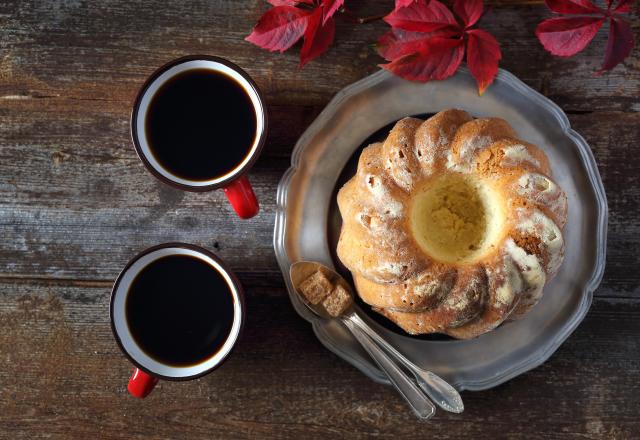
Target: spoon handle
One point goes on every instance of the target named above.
(420, 404)
(436, 388)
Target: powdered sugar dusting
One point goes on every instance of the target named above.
(426, 289)
(516, 154)
(539, 225)
(401, 174)
(428, 149)
(512, 284)
(470, 146)
(393, 268)
(462, 301)
(463, 161)
(390, 206)
(529, 264)
(542, 190)
(460, 167)
(531, 270)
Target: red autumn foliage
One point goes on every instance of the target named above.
(401, 3)
(318, 36)
(580, 21)
(290, 20)
(422, 16)
(427, 42)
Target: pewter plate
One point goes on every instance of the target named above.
(307, 222)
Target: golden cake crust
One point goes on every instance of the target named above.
(415, 285)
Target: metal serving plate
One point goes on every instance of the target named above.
(307, 223)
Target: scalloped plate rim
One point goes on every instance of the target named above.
(536, 358)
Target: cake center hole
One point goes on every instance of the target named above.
(455, 219)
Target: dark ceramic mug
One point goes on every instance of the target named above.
(234, 182)
(148, 368)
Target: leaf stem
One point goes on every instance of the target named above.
(361, 20)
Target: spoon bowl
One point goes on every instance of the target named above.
(301, 270)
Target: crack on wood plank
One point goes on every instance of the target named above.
(60, 98)
(245, 277)
(44, 279)
(25, 97)
(92, 99)
(589, 112)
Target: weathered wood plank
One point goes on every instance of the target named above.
(103, 51)
(63, 376)
(612, 137)
(75, 202)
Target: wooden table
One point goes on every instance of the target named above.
(76, 204)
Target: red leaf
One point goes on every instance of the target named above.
(469, 11)
(330, 7)
(483, 55)
(566, 36)
(289, 2)
(623, 6)
(619, 45)
(422, 17)
(397, 43)
(573, 6)
(439, 58)
(279, 28)
(403, 3)
(317, 37)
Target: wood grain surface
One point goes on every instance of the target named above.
(76, 204)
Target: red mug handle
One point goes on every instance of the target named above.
(242, 197)
(141, 383)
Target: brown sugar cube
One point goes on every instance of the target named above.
(338, 301)
(316, 287)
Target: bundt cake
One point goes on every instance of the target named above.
(451, 225)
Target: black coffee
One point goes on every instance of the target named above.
(200, 124)
(179, 310)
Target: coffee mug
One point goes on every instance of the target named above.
(176, 312)
(198, 124)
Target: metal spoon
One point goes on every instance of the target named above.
(440, 391)
(420, 404)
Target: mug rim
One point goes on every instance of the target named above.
(262, 136)
(180, 245)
